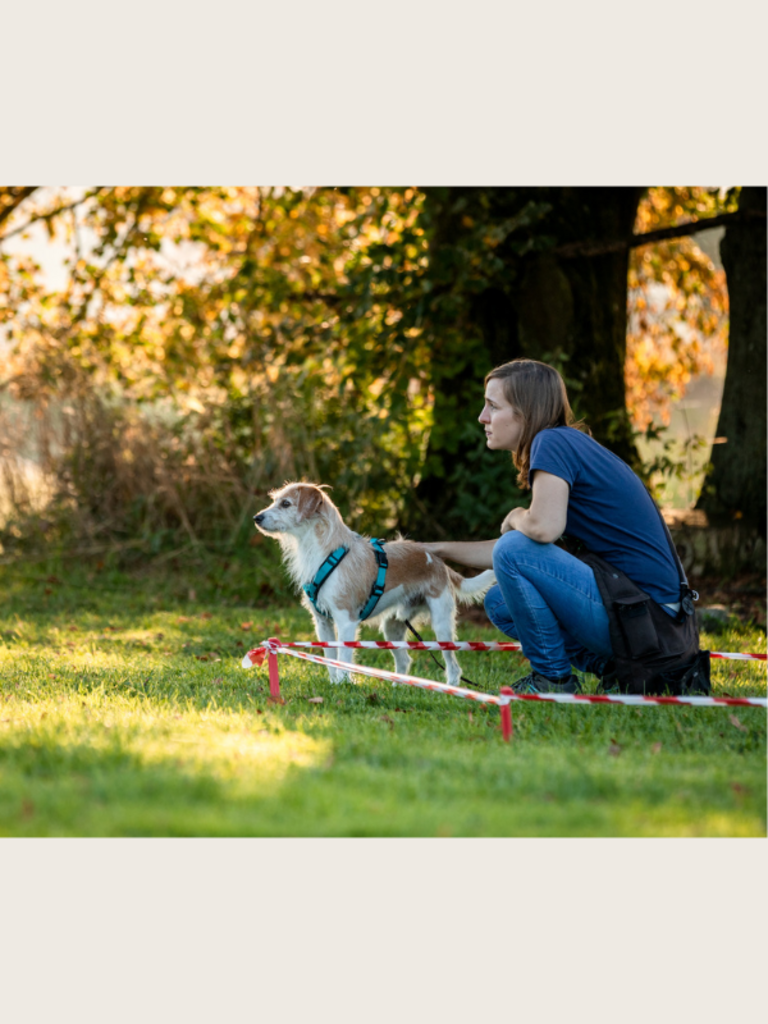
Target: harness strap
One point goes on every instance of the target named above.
(322, 574)
(332, 561)
(378, 587)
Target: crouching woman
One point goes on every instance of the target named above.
(559, 606)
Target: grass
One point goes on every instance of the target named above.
(124, 712)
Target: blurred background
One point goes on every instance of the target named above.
(169, 354)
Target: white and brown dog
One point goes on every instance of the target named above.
(339, 571)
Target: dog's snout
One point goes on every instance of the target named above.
(259, 518)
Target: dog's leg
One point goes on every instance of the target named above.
(327, 634)
(442, 609)
(394, 629)
(346, 627)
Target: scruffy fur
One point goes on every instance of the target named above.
(309, 527)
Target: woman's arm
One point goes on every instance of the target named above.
(545, 520)
(476, 553)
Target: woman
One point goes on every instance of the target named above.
(547, 598)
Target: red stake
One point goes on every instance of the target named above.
(274, 678)
(506, 715)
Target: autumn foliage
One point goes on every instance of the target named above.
(677, 305)
(211, 342)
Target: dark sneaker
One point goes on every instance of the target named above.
(608, 679)
(537, 683)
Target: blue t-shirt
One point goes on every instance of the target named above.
(609, 509)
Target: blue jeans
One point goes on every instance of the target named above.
(549, 601)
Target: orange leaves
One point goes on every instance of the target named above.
(677, 307)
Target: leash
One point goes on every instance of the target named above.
(441, 667)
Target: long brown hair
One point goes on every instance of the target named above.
(537, 391)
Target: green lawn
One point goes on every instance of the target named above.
(125, 712)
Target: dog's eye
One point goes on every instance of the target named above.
(285, 504)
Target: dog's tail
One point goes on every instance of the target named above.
(471, 589)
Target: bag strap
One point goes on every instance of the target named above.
(687, 596)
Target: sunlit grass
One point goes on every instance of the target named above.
(124, 715)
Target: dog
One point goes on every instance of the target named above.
(310, 529)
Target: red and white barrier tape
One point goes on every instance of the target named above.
(272, 647)
(458, 645)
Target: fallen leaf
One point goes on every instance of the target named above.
(206, 615)
(246, 625)
(390, 722)
(239, 644)
(656, 748)
(218, 680)
(202, 657)
(314, 700)
(181, 618)
(275, 700)
(469, 716)
(734, 721)
(614, 750)
(738, 788)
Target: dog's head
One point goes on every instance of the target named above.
(294, 508)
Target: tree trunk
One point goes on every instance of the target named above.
(735, 489)
(566, 309)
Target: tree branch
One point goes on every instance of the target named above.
(44, 216)
(13, 196)
(575, 249)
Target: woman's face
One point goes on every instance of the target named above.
(503, 423)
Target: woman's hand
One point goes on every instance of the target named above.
(512, 520)
(545, 520)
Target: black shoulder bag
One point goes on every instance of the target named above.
(654, 652)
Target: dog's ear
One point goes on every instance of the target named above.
(311, 500)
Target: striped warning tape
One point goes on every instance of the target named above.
(459, 645)
(272, 647)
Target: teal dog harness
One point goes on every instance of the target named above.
(332, 561)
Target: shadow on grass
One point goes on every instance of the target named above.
(377, 786)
